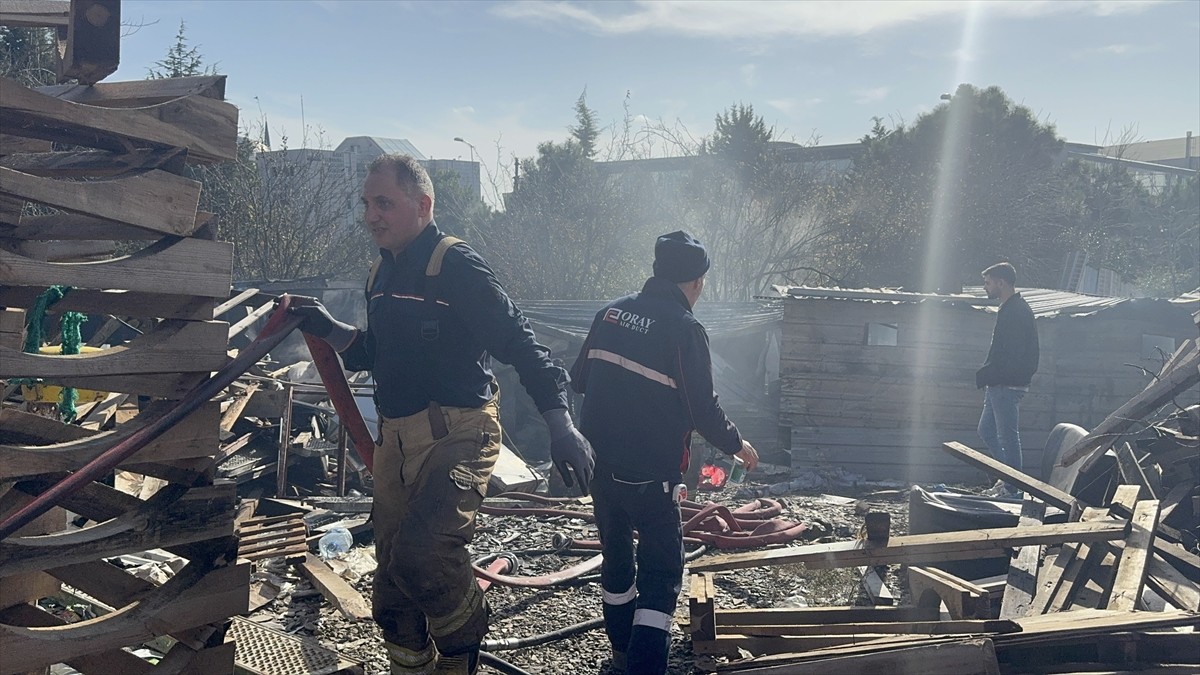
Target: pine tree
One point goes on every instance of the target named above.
(181, 60)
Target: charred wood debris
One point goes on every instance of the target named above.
(1098, 565)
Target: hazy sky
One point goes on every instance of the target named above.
(508, 73)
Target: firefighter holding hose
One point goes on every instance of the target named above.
(435, 312)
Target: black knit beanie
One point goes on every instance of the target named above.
(679, 257)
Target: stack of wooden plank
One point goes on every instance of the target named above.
(1072, 586)
(82, 167)
(1115, 589)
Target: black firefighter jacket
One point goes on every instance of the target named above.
(646, 374)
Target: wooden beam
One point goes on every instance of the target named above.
(916, 549)
(975, 656)
(335, 589)
(1131, 570)
(115, 302)
(96, 163)
(93, 41)
(77, 226)
(138, 93)
(61, 251)
(821, 615)
(190, 266)
(174, 347)
(1021, 587)
(157, 201)
(1043, 491)
(951, 627)
(206, 127)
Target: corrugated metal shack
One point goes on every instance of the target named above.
(875, 381)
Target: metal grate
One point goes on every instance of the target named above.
(260, 650)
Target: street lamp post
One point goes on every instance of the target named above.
(462, 140)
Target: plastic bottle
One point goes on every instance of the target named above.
(335, 542)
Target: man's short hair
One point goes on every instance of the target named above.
(408, 172)
(1004, 271)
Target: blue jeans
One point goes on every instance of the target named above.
(1000, 423)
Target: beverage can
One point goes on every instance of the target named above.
(738, 473)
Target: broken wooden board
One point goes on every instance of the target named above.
(205, 126)
(932, 588)
(1021, 586)
(173, 347)
(193, 267)
(191, 598)
(156, 200)
(193, 436)
(201, 513)
(1126, 589)
(1171, 551)
(335, 589)
(916, 549)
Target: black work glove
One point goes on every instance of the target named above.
(568, 448)
(319, 323)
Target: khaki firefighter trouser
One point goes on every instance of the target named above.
(431, 474)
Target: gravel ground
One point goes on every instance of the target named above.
(520, 612)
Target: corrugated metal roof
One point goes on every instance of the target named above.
(1044, 302)
(574, 318)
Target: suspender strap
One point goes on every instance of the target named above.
(439, 252)
(429, 323)
(371, 277)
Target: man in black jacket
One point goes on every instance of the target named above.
(435, 315)
(646, 374)
(1005, 376)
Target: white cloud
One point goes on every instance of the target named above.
(748, 72)
(463, 111)
(871, 95)
(1119, 49)
(792, 106)
(755, 18)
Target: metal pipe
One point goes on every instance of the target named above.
(280, 324)
(285, 442)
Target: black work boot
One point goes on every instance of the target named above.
(465, 662)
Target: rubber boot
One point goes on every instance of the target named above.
(406, 661)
